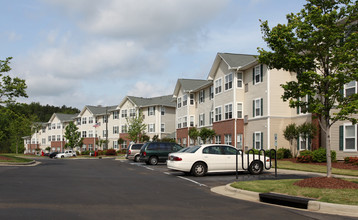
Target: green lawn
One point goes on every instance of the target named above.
(14, 159)
(288, 165)
(339, 196)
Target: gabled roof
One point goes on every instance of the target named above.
(233, 61)
(98, 110)
(63, 117)
(146, 102)
(190, 85)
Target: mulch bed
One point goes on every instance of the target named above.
(328, 182)
(5, 158)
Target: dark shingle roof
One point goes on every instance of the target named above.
(193, 84)
(237, 60)
(100, 110)
(161, 100)
(65, 117)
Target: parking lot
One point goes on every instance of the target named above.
(118, 189)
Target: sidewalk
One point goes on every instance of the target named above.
(313, 206)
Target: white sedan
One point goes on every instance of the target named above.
(210, 158)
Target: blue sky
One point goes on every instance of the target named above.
(90, 52)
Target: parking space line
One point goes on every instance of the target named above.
(200, 184)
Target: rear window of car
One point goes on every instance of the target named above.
(192, 149)
(137, 146)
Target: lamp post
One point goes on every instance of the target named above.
(106, 144)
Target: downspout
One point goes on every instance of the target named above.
(268, 110)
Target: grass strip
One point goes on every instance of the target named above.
(339, 196)
(288, 165)
(14, 159)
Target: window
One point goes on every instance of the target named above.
(184, 142)
(115, 129)
(185, 122)
(201, 96)
(218, 113)
(53, 137)
(257, 107)
(217, 139)
(303, 143)
(124, 129)
(211, 92)
(239, 110)
(105, 117)
(257, 140)
(132, 112)
(239, 80)
(90, 120)
(303, 109)
(185, 100)
(84, 120)
(202, 120)
(84, 134)
(78, 121)
(239, 141)
(179, 102)
(191, 121)
(104, 133)
(58, 125)
(151, 110)
(191, 99)
(228, 111)
(90, 147)
(348, 137)
(49, 138)
(43, 140)
(151, 128)
(162, 128)
(211, 117)
(179, 122)
(124, 113)
(257, 74)
(115, 144)
(218, 86)
(53, 125)
(90, 133)
(162, 110)
(350, 88)
(124, 145)
(115, 114)
(228, 81)
(58, 137)
(228, 139)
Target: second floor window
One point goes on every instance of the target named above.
(84, 120)
(218, 86)
(239, 110)
(185, 100)
(151, 110)
(124, 129)
(115, 130)
(191, 121)
(191, 99)
(202, 120)
(201, 96)
(350, 88)
(258, 107)
(239, 80)
(124, 113)
(185, 122)
(179, 102)
(218, 113)
(228, 111)
(84, 134)
(115, 115)
(211, 92)
(228, 81)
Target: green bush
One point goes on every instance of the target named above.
(86, 152)
(319, 155)
(304, 158)
(253, 151)
(306, 152)
(283, 153)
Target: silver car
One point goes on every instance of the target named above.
(133, 152)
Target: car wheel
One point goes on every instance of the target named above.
(62, 156)
(153, 161)
(136, 158)
(255, 167)
(199, 169)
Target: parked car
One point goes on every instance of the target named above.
(210, 158)
(154, 152)
(133, 152)
(53, 154)
(67, 153)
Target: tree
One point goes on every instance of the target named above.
(10, 87)
(193, 134)
(136, 127)
(73, 136)
(307, 131)
(319, 44)
(291, 133)
(206, 133)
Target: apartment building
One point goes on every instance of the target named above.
(241, 101)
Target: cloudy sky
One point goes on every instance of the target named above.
(95, 52)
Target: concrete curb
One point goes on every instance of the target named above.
(314, 206)
(9, 164)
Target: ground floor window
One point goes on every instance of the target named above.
(228, 139)
(348, 140)
(217, 139)
(90, 147)
(239, 141)
(303, 143)
(115, 145)
(124, 145)
(258, 140)
(84, 147)
(184, 142)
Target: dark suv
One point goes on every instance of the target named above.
(154, 152)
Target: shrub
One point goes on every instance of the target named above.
(111, 152)
(100, 152)
(319, 155)
(304, 158)
(283, 153)
(352, 160)
(305, 153)
(86, 152)
(253, 151)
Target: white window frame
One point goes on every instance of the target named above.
(151, 128)
(115, 129)
(124, 129)
(228, 139)
(239, 142)
(185, 100)
(202, 96)
(228, 81)
(240, 80)
(90, 120)
(212, 117)
(192, 99)
(84, 120)
(132, 112)
(345, 137)
(228, 111)
(348, 86)
(185, 122)
(179, 102)
(218, 114)
(192, 121)
(162, 128)
(201, 120)
(124, 113)
(211, 92)
(218, 86)
(301, 141)
(90, 133)
(162, 110)
(257, 74)
(258, 107)
(258, 134)
(84, 134)
(115, 115)
(115, 144)
(151, 110)
(239, 107)
(305, 99)
(217, 139)
(179, 123)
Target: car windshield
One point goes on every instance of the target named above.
(192, 149)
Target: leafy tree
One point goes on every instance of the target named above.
(206, 133)
(73, 136)
(10, 87)
(291, 133)
(193, 134)
(320, 44)
(307, 130)
(136, 127)
(144, 138)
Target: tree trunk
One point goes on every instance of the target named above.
(328, 150)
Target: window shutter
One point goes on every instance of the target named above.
(262, 71)
(262, 140)
(309, 143)
(341, 137)
(253, 76)
(253, 140)
(298, 144)
(203, 95)
(262, 106)
(253, 108)
(148, 111)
